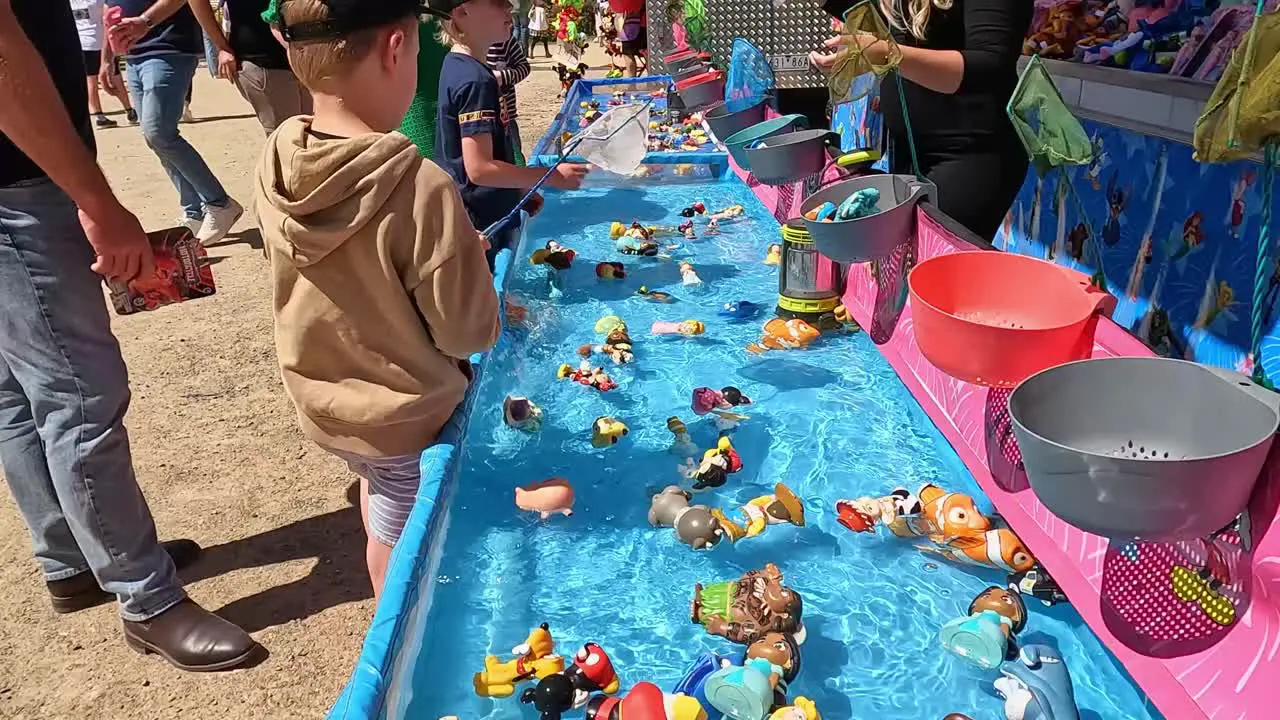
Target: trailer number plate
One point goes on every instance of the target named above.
(789, 63)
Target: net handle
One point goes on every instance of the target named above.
(1271, 159)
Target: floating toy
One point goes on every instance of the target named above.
(685, 327)
(554, 255)
(930, 512)
(717, 464)
(546, 497)
(534, 659)
(608, 324)
(779, 334)
(826, 212)
(740, 310)
(774, 255)
(681, 444)
(520, 413)
(745, 610)
(688, 232)
(635, 230)
(760, 513)
(694, 681)
(707, 400)
(632, 245)
(729, 213)
(617, 345)
(713, 226)
(684, 169)
(999, 548)
(865, 513)
(607, 431)
(986, 635)
(782, 653)
(645, 701)
(687, 274)
(694, 209)
(552, 697)
(611, 270)
(802, 708)
(587, 375)
(655, 295)
(1037, 583)
(592, 672)
(744, 691)
(1037, 686)
(694, 525)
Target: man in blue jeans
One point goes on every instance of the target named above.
(63, 385)
(165, 43)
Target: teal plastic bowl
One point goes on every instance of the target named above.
(737, 143)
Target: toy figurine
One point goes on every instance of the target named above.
(782, 653)
(552, 697)
(592, 672)
(1039, 584)
(717, 464)
(554, 255)
(635, 229)
(779, 334)
(759, 513)
(718, 403)
(744, 691)
(631, 245)
(610, 271)
(686, 327)
(774, 255)
(617, 345)
(607, 431)
(713, 226)
(694, 525)
(546, 497)
(645, 701)
(520, 413)
(729, 213)
(681, 444)
(986, 635)
(587, 375)
(998, 548)
(533, 659)
(745, 610)
(826, 212)
(802, 708)
(694, 209)
(687, 274)
(688, 232)
(1037, 686)
(865, 513)
(608, 324)
(740, 310)
(655, 295)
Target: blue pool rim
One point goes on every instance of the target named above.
(366, 693)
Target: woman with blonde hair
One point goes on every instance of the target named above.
(959, 68)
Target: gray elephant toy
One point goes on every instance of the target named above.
(695, 525)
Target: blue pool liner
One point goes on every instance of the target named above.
(366, 693)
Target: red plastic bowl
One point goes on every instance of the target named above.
(709, 76)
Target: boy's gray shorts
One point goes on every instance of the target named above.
(393, 486)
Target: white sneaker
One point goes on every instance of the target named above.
(218, 222)
(192, 224)
(187, 115)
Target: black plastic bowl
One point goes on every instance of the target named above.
(724, 123)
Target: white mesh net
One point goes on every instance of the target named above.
(617, 141)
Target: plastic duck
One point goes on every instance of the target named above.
(535, 658)
(607, 431)
(729, 213)
(999, 548)
(694, 525)
(779, 334)
(520, 413)
(681, 444)
(655, 295)
(645, 701)
(717, 464)
(802, 708)
(759, 513)
(740, 310)
(688, 275)
(546, 497)
(1039, 584)
(774, 254)
(611, 271)
(1037, 686)
(587, 375)
(713, 226)
(554, 255)
(694, 209)
(685, 327)
(745, 610)
(986, 636)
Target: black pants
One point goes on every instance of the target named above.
(975, 188)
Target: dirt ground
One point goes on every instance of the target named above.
(220, 458)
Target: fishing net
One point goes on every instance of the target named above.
(617, 141)
(1244, 110)
(750, 76)
(868, 53)
(1049, 131)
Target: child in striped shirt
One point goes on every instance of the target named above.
(510, 65)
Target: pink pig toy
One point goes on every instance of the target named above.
(545, 497)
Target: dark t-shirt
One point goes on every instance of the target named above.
(52, 30)
(179, 34)
(251, 37)
(469, 106)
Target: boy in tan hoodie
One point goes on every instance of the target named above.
(382, 292)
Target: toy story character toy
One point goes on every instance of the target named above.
(546, 497)
(607, 431)
(986, 635)
(774, 254)
(745, 610)
(655, 295)
(617, 345)
(554, 255)
(611, 271)
(782, 506)
(713, 226)
(520, 413)
(802, 708)
(535, 658)
(681, 444)
(694, 525)
(685, 327)
(645, 701)
(687, 274)
(717, 464)
(779, 334)
(1037, 686)
(587, 375)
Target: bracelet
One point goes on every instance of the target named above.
(147, 21)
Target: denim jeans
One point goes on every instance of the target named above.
(159, 87)
(520, 30)
(210, 55)
(64, 391)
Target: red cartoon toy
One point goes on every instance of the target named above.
(587, 375)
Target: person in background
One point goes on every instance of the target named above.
(520, 16)
(163, 41)
(959, 68)
(635, 40)
(539, 28)
(64, 388)
(471, 143)
(510, 66)
(88, 15)
(382, 293)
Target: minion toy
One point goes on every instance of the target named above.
(606, 432)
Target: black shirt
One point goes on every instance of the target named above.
(469, 106)
(988, 34)
(251, 37)
(52, 31)
(179, 34)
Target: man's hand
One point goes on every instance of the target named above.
(108, 78)
(124, 34)
(228, 66)
(534, 204)
(123, 252)
(568, 176)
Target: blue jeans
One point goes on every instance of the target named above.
(64, 391)
(159, 87)
(210, 55)
(520, 30)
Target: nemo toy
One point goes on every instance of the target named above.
(940, 516)
(999, 548)
(534, 659)
(779, 334)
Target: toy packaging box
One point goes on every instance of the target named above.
(182, 273)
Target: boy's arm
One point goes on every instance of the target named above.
(478, 122)
(455, 291)
(516, 65)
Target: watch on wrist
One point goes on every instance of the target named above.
(147, 21)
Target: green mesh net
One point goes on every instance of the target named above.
(1049, 131)
(869, 53)
(1244, 110)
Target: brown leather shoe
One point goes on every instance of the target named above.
(80, 592)
(191, 638)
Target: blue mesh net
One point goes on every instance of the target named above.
(750, 77)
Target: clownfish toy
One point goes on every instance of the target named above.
(999, 548)
(939, 515)
(779, 334)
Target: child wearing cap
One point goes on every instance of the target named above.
(471, 142)
(381, 292)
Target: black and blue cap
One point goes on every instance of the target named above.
(351, 16)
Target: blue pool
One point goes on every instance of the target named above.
(832, 421)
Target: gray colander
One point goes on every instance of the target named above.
(874, 236)
(1149, 448)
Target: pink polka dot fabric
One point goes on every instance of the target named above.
(1001, 426)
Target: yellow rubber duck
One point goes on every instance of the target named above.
(534, 659)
